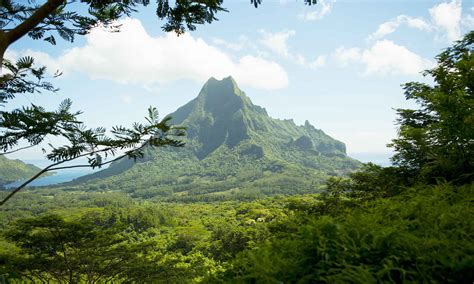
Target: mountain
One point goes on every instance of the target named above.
(13, 170)
(234, 149)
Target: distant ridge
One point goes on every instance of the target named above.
(13, 170)
(232, 148)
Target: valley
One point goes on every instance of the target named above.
(302, 142)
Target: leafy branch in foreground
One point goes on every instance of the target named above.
(33, 123)
(23, 77)
(94, 144)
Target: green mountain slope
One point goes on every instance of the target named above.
(233, 150)
(13, 170)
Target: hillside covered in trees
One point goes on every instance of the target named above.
(13, 170)
(408, 223)
(233, 150)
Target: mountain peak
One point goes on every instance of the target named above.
(222, 97)
(225, 128)
(216, 116)
(225, 86)
(225, 79)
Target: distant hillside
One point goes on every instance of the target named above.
(233, 150)
(13, 170)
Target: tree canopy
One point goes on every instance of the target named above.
(436, 140)
(73, 251)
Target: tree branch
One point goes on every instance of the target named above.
(24, 184)
(36, 18)
(46, 169)
(16, 150)
(53, 167)
(87, 166)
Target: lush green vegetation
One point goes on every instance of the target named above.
(419, 235)
(13, 170)
(408, 223)
(32, 125)
(234, 151)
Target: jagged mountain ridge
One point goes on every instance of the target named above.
(232, 145)
(223, 114)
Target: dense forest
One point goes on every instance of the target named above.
(411, 222)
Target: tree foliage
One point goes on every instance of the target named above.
(437, 140)
(23, 77)
(72, 251)
(34, 124)
(419, 235)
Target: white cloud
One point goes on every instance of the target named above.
(228, 45)
(41, 59)
(390, 26)
(384, 57)
(320, 61)
(132, 56)
(11, 54)
(323, 8)
(347, 55)
(447, 16)
(417, 23)
(243, 42)
(277, 42)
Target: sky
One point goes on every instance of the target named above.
(338, 64)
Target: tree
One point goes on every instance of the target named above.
(436, 141)
(64, 18)
(88, 250)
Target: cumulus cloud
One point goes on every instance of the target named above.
(41, 59)
(242, 43)
(323, 8)
(384, 57)
(390, 26)
(347, 55)
(277, 42)
(132, 56)
(447, 16)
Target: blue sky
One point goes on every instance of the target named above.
(338, 64)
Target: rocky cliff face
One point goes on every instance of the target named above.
(223, 114)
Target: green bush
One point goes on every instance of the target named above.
(422, 235)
